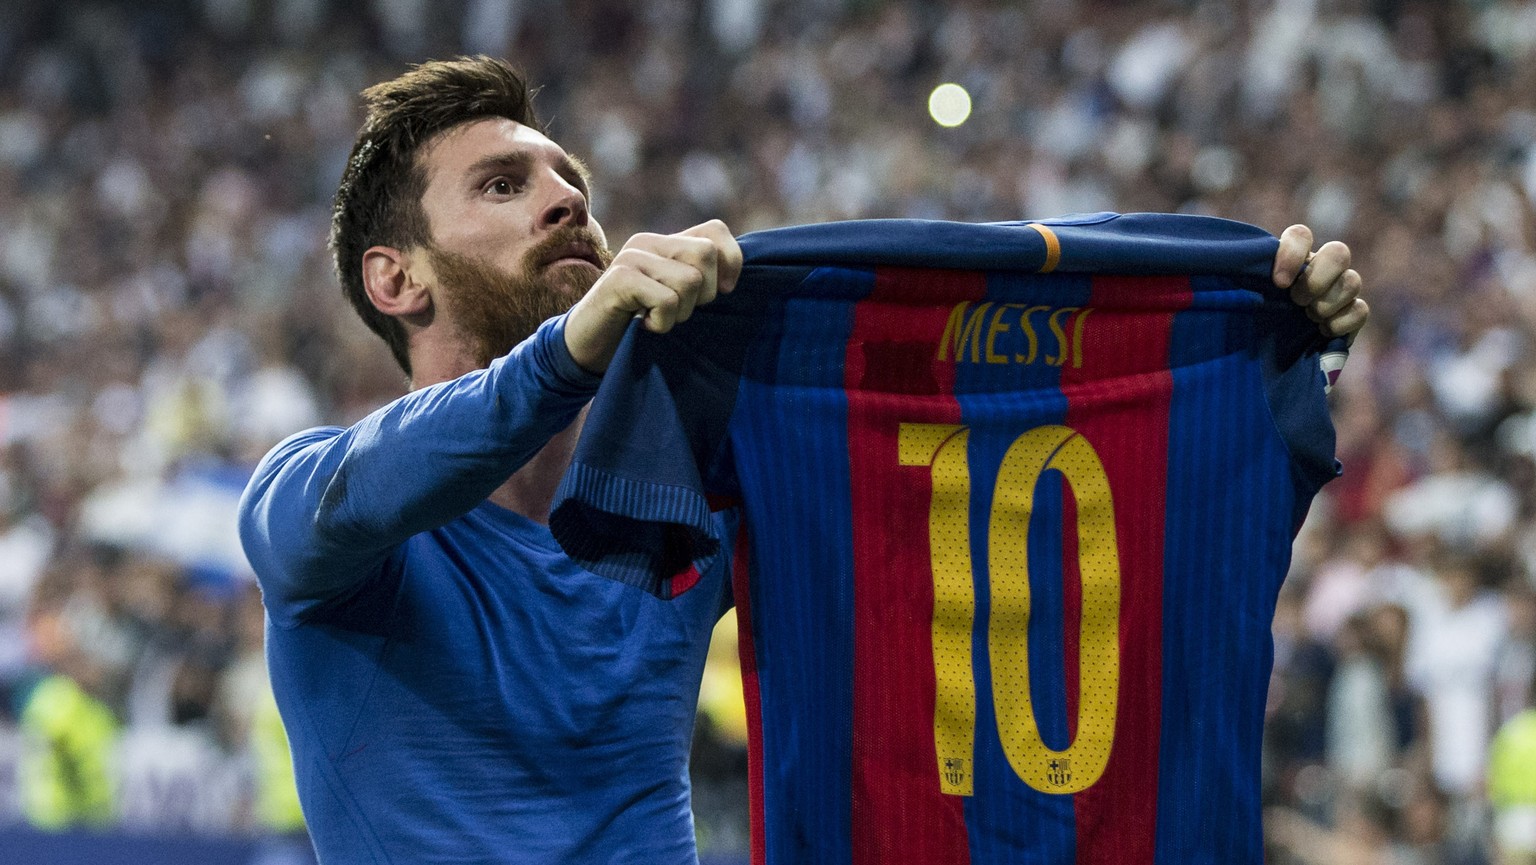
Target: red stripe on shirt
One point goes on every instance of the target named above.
(684, 581)
(741, 589)
(899, 815)
(1119, 401)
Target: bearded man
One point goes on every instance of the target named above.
(454, 687)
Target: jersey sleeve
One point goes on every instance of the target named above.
(653, 462)
(326, 507)
(1300, 366)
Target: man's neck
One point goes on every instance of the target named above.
(531, 489)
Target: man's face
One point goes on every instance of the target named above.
(512, 241)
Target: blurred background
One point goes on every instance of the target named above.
(168, 312)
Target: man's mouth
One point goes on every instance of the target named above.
(574, 253)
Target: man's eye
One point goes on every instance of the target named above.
(500, 186)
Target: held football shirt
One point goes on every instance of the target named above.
(1018, 502)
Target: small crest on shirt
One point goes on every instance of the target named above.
(955, 773)
(1059, 771)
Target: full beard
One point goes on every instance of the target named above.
(497, 309)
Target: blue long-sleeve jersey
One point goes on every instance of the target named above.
(455, 689)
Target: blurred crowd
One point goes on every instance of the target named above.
(168, 312)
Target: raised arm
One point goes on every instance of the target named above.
(325, 507)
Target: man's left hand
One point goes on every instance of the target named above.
(1323, 282)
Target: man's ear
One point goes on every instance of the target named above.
(392, 285)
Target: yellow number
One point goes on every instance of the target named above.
(943, 448)
(954, 595)
(1030, 456)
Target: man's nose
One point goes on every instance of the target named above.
(565, 205)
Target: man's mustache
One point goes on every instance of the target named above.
(572, 241)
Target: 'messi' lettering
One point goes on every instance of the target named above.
(1022, 333)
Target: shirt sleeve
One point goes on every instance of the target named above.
(653, 465)
(1299, 365)
(326, 507)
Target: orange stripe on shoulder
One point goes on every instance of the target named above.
(1052, 247)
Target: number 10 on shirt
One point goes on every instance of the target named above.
(943, 448)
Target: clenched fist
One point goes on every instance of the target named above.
(1322, 282)
(659, 278)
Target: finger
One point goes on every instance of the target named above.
(1323, 270)
(683, 280)
(721, 242)
(1350, 320)
(661, 308)
(1295, 243)
(1339, 295)
(661, 315)
(697, 252)
(655, 303)
(728, 261)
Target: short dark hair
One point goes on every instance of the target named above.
(379, 198)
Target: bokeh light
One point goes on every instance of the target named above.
(949, 105)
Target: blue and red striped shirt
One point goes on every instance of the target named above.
(1018, 502)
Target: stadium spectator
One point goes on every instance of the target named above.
(1512, 787)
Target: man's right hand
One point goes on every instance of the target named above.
(659, 278)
